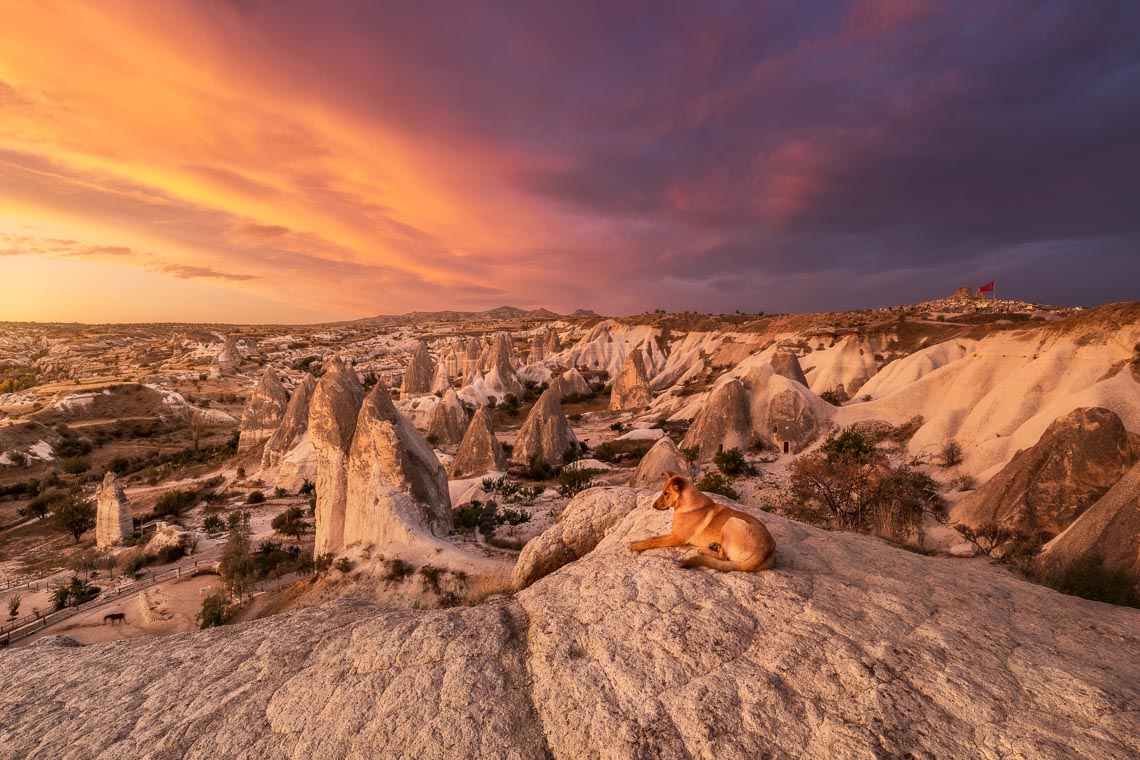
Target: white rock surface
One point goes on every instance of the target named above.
(846, 648)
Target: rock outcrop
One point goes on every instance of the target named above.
(545, 435)
(264, 412)
(580, 527)
(783, 412)
(113, 521)
(480, 452)
(1107, 531)
(663, 456)
(448, 420)
(722, 424)
(333, 414)
(570, 381)
(631, 388)
(787, 364)
(228, 358)
(848, 647)
(501, 379)
(287, 459)
(397, 490)
(419, 374)
(1046, 487)
(441, 382)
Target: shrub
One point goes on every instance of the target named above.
(280, 492)
(213, 524)
(18, 458)
(573, 482)
(510, 490)
(951, 454)
(732, 463)
(691, 454)
(512, 517)
(963, 483)
(1088, 578)
(714, 482)
(831, 397)
(257, 497)
(617, 427)
(46, 502)
(168, 554)
(308, 488)
(850, 445)
(431, 575)
(75, 465)
(322, 563)
(174, 503)
(467, 517)
(343, 565)
(216, 611)
(398, 570)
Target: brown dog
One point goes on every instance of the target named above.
(726, 539)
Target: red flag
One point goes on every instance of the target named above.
(987, 288)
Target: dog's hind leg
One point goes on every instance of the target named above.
(657, 542)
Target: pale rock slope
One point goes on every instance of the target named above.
(397, 490)
(264, 412)
(846, 648)
(287, 460)
(844, 367)
(997, 395)
(570, 381)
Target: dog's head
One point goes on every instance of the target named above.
(671, 492)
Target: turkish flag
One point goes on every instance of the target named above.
(987, 288)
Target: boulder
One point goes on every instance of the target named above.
(448, 421)
(113, 521)
(264, 412)
(419, 374)
(480, 452)
(663, 456)
(847, 648)
(545, 435)
(582, 524)
(787, 364)
(287, 459)
(397, 490)
(333, 414)
(722, 423)
(1107, 531)
(631, 388)
(1044, 488)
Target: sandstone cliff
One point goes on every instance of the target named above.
(263, 413)
(333, 413)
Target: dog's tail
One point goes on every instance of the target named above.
(761, 561)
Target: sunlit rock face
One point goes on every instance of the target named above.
(333, 413)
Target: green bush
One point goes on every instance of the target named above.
(257, 497)
(174, 503)
(75, 465)
(732, 463)
(216, 611)
(1088, 578)
(213, 524)
(573, 482)
(714, 482)
(466, 518)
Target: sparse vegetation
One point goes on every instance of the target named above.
(74, 515)
(1088, 578)
(291, 523)
(951, 454)
(573, 482)
(733, 463)
(510, 490)
(714, 482)
(216, 611)
(174, 503)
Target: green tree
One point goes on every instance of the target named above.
(75, 516)
(291, 523)
(216, 611)
(236, 565)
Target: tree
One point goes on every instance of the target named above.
(14, 606)
(216, 611)
(951, 454)
(236, 565)
(75, 516)
(291, 523)
(46, 502)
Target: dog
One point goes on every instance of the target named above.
(726, 539)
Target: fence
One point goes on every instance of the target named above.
(14, 630)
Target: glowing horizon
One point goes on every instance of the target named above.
(247, 162)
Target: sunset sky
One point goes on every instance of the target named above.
(284, 161)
